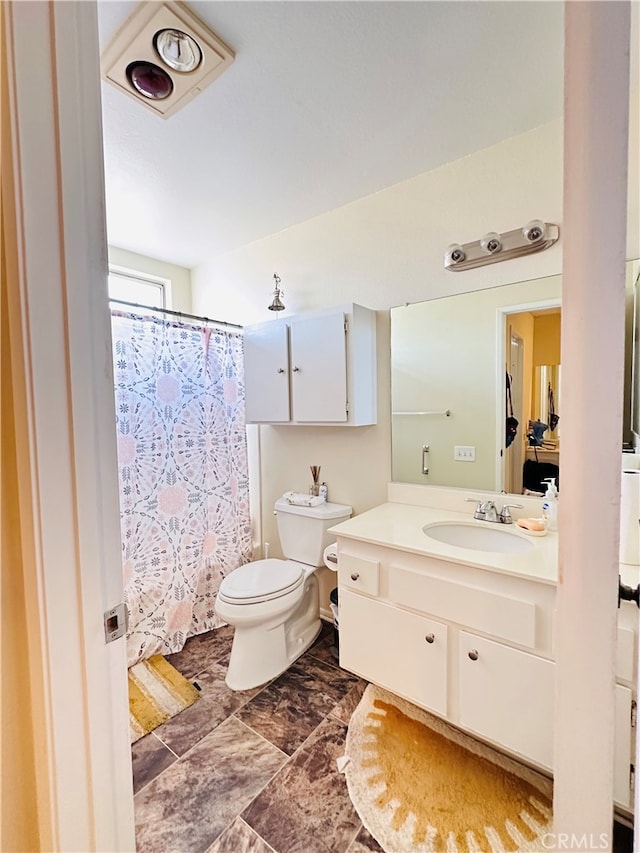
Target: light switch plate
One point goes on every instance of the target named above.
(464, 453)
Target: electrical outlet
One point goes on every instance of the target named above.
(463, 453)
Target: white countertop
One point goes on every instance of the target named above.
(399, 526)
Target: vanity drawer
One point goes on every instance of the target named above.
(501, 616)
(359, 573)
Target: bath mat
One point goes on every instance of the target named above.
(419, 784)
(157, 692)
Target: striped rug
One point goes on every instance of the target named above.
(157, 692)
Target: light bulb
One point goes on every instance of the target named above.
(454, 254)
(149, 80)
(534, 230)
(491, 243)
(177, 50)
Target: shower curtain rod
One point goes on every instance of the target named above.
(179, 314)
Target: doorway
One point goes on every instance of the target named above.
(531, 353)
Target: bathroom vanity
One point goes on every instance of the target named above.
(467, 633)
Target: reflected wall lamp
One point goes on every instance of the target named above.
(534, 237)
(277, 304)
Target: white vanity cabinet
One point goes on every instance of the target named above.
(506, 695)
(471, 645)
(407, 652)
(316, 368)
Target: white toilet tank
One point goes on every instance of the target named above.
(303, 529)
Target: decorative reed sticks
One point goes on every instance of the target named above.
(315, 473)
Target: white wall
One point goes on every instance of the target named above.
(179, 290)
(381, 251)
(388, 248)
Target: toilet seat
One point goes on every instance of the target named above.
(260, 581)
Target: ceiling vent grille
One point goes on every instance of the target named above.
(163, 56)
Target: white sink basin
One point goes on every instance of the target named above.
(485, 536)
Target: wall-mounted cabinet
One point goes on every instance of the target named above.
(311, 369)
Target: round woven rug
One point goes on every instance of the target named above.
(419, 784)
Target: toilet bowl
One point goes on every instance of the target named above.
(274, 604)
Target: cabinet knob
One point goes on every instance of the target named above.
(296, 370)
(354, 576)
(473, 654)
(430, 638)
(281, 370)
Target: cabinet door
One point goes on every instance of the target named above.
(507, 696)
(398, 650)
(266, 373)
(319, 369)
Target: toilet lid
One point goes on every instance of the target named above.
(261, 580)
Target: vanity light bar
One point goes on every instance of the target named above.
(534, 237)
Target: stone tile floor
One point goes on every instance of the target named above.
(255, 772)
(252, 771)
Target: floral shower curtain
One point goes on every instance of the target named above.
(183, 477)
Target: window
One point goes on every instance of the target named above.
(130, 286)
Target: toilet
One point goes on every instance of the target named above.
(274, 604)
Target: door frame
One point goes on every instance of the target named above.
(82, 747)
(54, 75)
(516, 343)
(594, 236)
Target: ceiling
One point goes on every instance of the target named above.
(326, 102)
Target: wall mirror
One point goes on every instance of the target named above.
(450, 358)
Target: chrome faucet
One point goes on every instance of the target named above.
(505, 515)
(488, 511)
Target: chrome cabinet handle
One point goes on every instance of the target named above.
(430, 638)
(281, 370)
(473, 654)
(296, 370)
(355, 576)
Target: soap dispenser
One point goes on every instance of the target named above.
(550, 504)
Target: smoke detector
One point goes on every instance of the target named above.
(163, 56)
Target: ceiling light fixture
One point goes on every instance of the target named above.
(534, 237)
(277, 304)
(163, 55)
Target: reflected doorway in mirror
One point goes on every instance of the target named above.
(531, 344)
